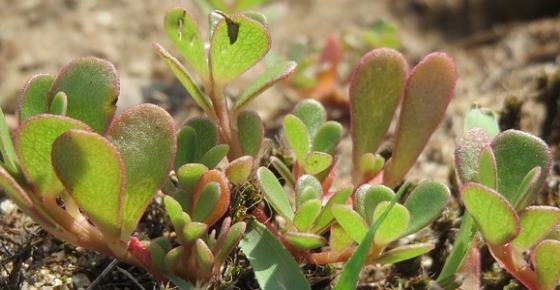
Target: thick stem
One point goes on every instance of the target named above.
(227, 124)
(503, 254)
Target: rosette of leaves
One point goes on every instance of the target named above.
(501, 173)
(236, 43)
(83, 173)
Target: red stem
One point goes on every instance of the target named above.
(504, 255)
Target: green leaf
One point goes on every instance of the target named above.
(184, 78)
(193, 231)
(267, 79)
(305, 241)
(206, 136)
(376, 87)
(274, 266)
(536, 222)
(207, 202)
(467, 154)
(34, 143)
(33, 99)
(516, 154)
(484, 119)
(425, 204)
(283, 170)
(221, 206)
(238, 43)
(92, 87)
(186, 146)
(403, 253)
(145, 138)
(429, 89)
(59, 104)
(546, 259)
(9, 156)
(327, 138)
(494, 215)
(182, 30)
(175, 213)
(487, 171)
(189, 175)
(297, 136)
(180, 283)
(307, 188)
(527, 188)
(350, 221)
(274, 193)
(247, 4)
(370, 165)
(239, 170)
(339, 240)
(250, 132)
(326, 216)
(368, 197)
(232, 238)
(317, 162)
(93, 172)
(393, 226)
(312, 114)
(204, 259)
(158, 257)
(215, 155)
(306, 214)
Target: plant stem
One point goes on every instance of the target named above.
(227, 129)
(503, 254)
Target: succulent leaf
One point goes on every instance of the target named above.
(206, 136)
(297, 136)
(354, 225)
(484, 119)
(215, 155)
(326, 216)
(222, 204)
(536, 223)
(393, 226)
(239, 170)
(207, 201)
(327, 138)
(250, 132)
(274, 193)
(189, 175)
(425, 204)
(317, 162)
(193, 231)
(467, 154)
(33, 99)
(368, 197)
(312, 114)
(307, 188)
(546, 259)
(59, 104)
(487, 172)
(175, 213)
(305, 241)
(306, 214)
(403, 253)
(339, 240)
(186, 146)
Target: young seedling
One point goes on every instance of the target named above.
(237, 43)
(501, 173)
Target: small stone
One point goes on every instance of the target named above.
(80, 281)
(7, 206)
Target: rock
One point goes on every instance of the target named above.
(80, 281)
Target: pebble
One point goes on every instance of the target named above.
(80, 281)
(7, 206)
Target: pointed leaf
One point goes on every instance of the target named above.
(222, 204)
(59, 104)
(376, 87)
(516, 154)
(92, 88)
(305, 241)
(7, 149)
(189, 175)
(213, 157)
(250, 132)
(546, 259)
(487, 172)
(527, 188)
(33, 99)
(206, 136)
(467, 154)
(274, 193)
(308, 188)
(183, 32)
(34, 143)
(429, 89)
(306, 214)
(312, 114)
(145, 138)
(283, 170)
(339, 240)
(267, 79)
(204, 258)
(327, 137)
(207, 202)
(239, 170)
(175, 213)
(93, 172)
(350, 221)
(186, 146)
(238, 43)
(403, 253)
(184, 78)
(536, 223)
(193, 231)
(368, 197)
(485, 204)
(274, 266)
(393, 226)
(297, 136)
(425, 204)
(317, 162)
(484, 119)
(231, 240)
(326, 216)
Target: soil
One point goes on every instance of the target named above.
(507, 54)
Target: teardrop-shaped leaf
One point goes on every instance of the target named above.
(306, 214)
(350, 221)
(425, 204)
(184, 78)
(403, 253)
(93, 172)
(145, 138)
(238, 170)
(487, 172)
(204, 259)
(536, 223)
(393, 226)
(92, 87)
(368, 197)
(267, 79)
(59, 104)
(370, 165)
(494, 215)
(429, 89)
(339, 240)
(312, 114)
(33, 99)
(305, 241)
(297, 136)
(326, 216)
(175, 213)
(206, 136)
(308, 187)
(238, 43)
(189, 175)
(232, 238)
(250, 132)
(274, 193)
(527, 188)
(186, 146)
(183, 32)
(376, 87)
(34, 142)
(327, 138)
(317, 162)
(193, 231)
(467, 154)
(207, 201)
(222, 204)
(516, 154)
(546, 259)
(215, 155)
(484, 119)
